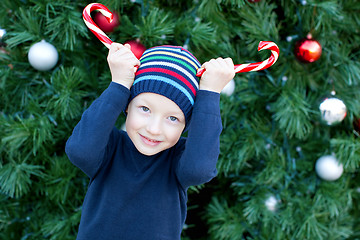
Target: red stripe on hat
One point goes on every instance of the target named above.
(168, 72)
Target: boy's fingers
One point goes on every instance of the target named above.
(135, 61)
(127, 46)
(221, 63)
(229, 62)
(115, 47)
(204, 65)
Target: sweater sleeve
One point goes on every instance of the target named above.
(91, 142)
(197, 163)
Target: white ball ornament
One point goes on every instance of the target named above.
(43, 56)
(271, 203)
(328, 168)
(123, 127)
(2, 33)
(333, 110)
(229, 88)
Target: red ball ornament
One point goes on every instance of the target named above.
(357, 125)
(308, 50)
(103, 23)
(136, 47)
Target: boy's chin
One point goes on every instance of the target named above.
(148, 153)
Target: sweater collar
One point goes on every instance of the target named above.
(141, 161)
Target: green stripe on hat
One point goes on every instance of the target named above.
(170, 59)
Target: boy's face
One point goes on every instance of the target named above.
(154, 123)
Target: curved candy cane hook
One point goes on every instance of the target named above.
(94, 28)
(91, 24)
(251, 67)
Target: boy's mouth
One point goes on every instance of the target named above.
(149, 141)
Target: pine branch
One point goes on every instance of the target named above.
(27, 26)
(347, 152)
(28, 134)
(157, 27)
(66, 99)
(293, 114)
(63, 184)
(226, 222)
(15, 178)
(202, 35)
(61, 226)
(258, 23)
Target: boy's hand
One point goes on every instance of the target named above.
(122, 64)
(219, 72)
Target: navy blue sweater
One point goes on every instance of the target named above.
(132, 196)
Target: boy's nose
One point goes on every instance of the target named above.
(154, 126)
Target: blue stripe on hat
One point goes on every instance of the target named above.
(168, 81)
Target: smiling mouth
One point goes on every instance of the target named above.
(149, 141)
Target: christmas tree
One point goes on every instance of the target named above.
(290, 149)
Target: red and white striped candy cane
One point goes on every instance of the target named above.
(251, 67)
(94, 28)
(91, 24)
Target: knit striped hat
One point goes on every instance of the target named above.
(169, 71)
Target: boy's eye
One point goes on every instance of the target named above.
(145, 109)
(173, 119)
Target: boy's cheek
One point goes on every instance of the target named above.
(134, 120)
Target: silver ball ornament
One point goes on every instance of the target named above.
(43, 56)
(328, 168)
(333, 110)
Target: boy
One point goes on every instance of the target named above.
(139, 178)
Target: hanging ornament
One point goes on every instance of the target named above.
(308, 50)
(2, 33)
(123, 127)
(104, 24)
(136, 47)
(43, 56)
(328, 168)
(271, 203)
(229, 88)
(333, 110)
(357, 125)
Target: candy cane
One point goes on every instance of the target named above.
(92, 26)
(251, 67)
(248, 67)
